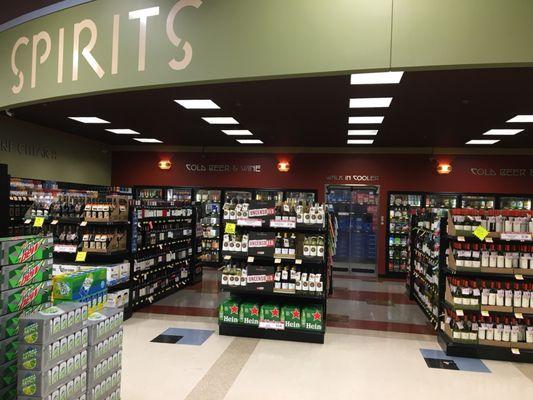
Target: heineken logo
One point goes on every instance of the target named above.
(234, 309)
(317, 316)
(261, 243)
(229, 318)
(254, 310)
(261, 212)
(29, 274)
(28, 297)
(250, 321)
(310, 325)
(292, 324)
(296, 313)
(28, 250)
(275, 312)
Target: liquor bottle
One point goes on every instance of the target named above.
(517, 295)
(277, 278)
(498, 329)
(484, 293)
(529, 331)
(307, 246)
(456, 291)
(292, 244)
(501, 257)
(500, 295)
(474, 328)
(467, 328)
(526, 295)
(279, 244)
(476, 256)
(285, 278)
(482, 330)
(467, 255)
(286, 244)
(475, 293)
(508, 295)
(524, 259)
(466, 293)
(493, 293)
(506, 332)
(515, 331)
(489, 329)
(493, 257)
(292, 279)
(508, 263)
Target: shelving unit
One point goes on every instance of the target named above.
(163, 234)
(483, 310)
(261, 284)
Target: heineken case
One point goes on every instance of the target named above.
(18, 299)
(249, 314)
(9, 393)
(9, 323)
(8, 350)
(21, 249)
(19, 275)
(291, 316)
(270, 312)
(312, 318)
(229, 312)
(8, 375)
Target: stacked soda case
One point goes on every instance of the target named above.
(52, 361)
(105, 354)
(25, 287)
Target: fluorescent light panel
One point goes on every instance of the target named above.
(503, 132)
(220, 120)
(90, 120)
(360, 141)
(370, 102)
(376, 78)
(147, 140)
(237, 132)
(250, 141)
(522, 118)
(198, 104)
(362, 132)
(482, 141)
(365, 120)
(123, 131)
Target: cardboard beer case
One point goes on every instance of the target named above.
(229, 311)
(312, 318)
(249, 314)
(270, 312)
(291, 317)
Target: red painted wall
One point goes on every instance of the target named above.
(473, 174)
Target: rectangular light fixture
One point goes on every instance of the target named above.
(522, 118)
(503, 132)
(90, 120)
(123, 131)
(370, 102)
(360, 141)
(220, 120)
(250, 141)
(198, 104)
(365, 120)
(237, 132)
(362, 132)
(147, 140)
(376, 78)
(482, 141)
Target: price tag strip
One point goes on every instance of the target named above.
(249, 222)
(521, 237)
(276, 325)
(283, 224)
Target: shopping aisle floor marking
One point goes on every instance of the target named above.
(439, 359)
(195, 337)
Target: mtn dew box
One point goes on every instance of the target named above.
(291, 316)
(78, 285)
(19, 275)
(18, 299)
(8, 375)
(249, 314)
(270, 312)
(21, 249)
(9, 323)
(312, 318)
(229, 312)
(52, 323)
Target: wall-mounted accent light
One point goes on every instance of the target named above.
(164, 165)
(444, 169)
(284, 166)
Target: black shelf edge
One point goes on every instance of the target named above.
(107, 223)
(486, 275)
(474, 239)
(259, 293)
(432, 318)
(395, 274)
(267, 228)
(119, 286)
(270, 260)
(255, 332)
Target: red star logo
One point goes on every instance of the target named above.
(254, 310)
(317, 316)
(275, 312)
(296, 313)
(234, 309)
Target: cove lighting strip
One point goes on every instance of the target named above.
(370, 102)
(482, 141)
(503, 132)
(366, 120)
(377, 78)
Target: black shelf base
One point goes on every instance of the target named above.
(254, 332)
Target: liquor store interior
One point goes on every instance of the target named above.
(193, 203)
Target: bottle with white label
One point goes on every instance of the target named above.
(492, 294)
(506, 332)
(482, 331)
(466, 292)
(474, 300)
(489, 329)
(484, 293)
(500, 295)
(517, 295)
(484, 256)
(498, 330)
(508, 295)
(476, 256)
(508, 263)
(526, 295)
(515, 331)
(493, 257)
(500, 263)
(529, 331)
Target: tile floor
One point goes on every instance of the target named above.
(375, 346)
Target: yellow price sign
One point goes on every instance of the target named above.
(481, 233)
(81, 256)
(230, 228)
(39, 221)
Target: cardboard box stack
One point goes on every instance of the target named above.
(25, 287)
(52, 360)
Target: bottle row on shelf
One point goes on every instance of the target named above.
(157, 211)
(495, 221)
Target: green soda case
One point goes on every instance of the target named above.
(9, 323)
(9, 393)
(9, 350)
(19, 275)
(79, 285)
(18, 299)
(8, 375)
(249, 314)
(291, 316)
(20, 249)
(270, 312)
(229, 311)
(312, 318)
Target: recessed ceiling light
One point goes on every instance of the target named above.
(482, 141)
(221, 120)
(362, 132)
(198, 104)
(360, 141)
(506, 132)
(376, 78)
(147, 140)
(237, 132)
(365, 120)
(370, 102)
(123, 131)
(249, 141)
(90, 120)
(522, 118)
